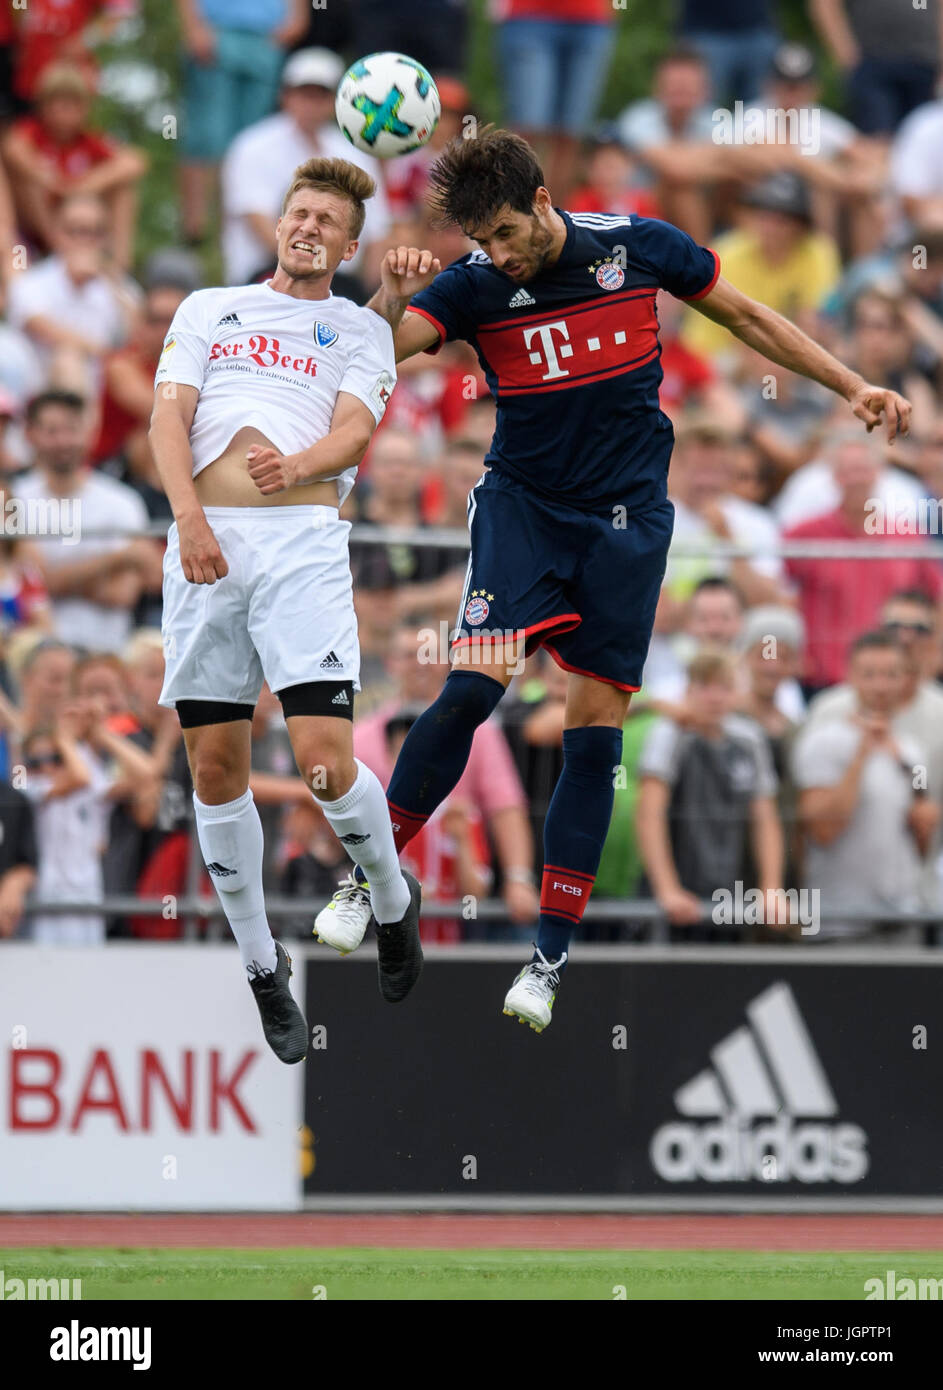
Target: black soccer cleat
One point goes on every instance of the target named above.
(399, 950)
(283, 1022)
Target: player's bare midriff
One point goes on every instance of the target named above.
(226, 482)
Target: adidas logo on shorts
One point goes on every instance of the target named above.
(332, 663)
(229, 318)
(340, 698)
(519, 300)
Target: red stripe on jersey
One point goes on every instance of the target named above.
(710, 284)
(573, 346)
(579, 306)
(565, 893)
(440, 328)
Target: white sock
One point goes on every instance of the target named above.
(361, 821)
(231, 841)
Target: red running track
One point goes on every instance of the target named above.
(472, 1231)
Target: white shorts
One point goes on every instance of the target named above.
(284, 612)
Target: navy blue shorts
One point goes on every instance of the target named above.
(584, 585)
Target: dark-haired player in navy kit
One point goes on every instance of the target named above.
(570, 524)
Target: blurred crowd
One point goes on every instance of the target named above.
(789, 731)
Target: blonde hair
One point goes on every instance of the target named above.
(140, 643)
(712, 666)
(63, 80)
(335, 176)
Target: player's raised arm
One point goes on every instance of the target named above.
(782, 342)
(404, 271)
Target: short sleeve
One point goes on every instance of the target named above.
(370, 374)
(186, 346)
(659, 756)
(447, 304)
(681, 267)
(821, 755)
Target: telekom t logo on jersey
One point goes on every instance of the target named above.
(547, 352)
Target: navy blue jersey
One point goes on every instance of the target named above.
(572, 356)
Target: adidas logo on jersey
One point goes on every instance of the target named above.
(741, 1117)
(332, 663)
(340, 698)
(230, 319)
(521, 299)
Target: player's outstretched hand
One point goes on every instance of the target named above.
(870, 403)
(201, 559)
(270, 470)
(405, 270)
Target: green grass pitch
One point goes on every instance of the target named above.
(464, 1274)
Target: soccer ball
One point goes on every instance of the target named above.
(387, 104)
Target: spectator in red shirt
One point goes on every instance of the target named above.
(53, 153)
(127, 396)
(49, 31)
(842, 598)
(611, 180)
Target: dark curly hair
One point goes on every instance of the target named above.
(474, 177)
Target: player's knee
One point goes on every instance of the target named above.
(218, 778)
(330, 773)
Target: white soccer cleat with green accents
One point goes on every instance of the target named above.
(343, 923)
(530, 998)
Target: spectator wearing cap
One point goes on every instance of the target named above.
(737, 38)
(863, 806)
(889, 53)
(840, 598)
(54, 152)
(74, 307)
(707, 800)
(94, 581)
(233, 53)
(261, 161)
(554, 59)
(777, 257)
(490, 782)
(127, 399)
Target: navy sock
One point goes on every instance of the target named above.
(436, 749)
(575, 832)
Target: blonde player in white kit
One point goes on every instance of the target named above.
(266, 398)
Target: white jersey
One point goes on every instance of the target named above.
(259, 357)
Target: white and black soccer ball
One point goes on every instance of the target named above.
(387, 104)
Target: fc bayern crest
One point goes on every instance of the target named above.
(476, 610)
(610, 276)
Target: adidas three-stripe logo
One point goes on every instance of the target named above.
(229, 318)
(332, 662)
(521, 299)
(767, 1071)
